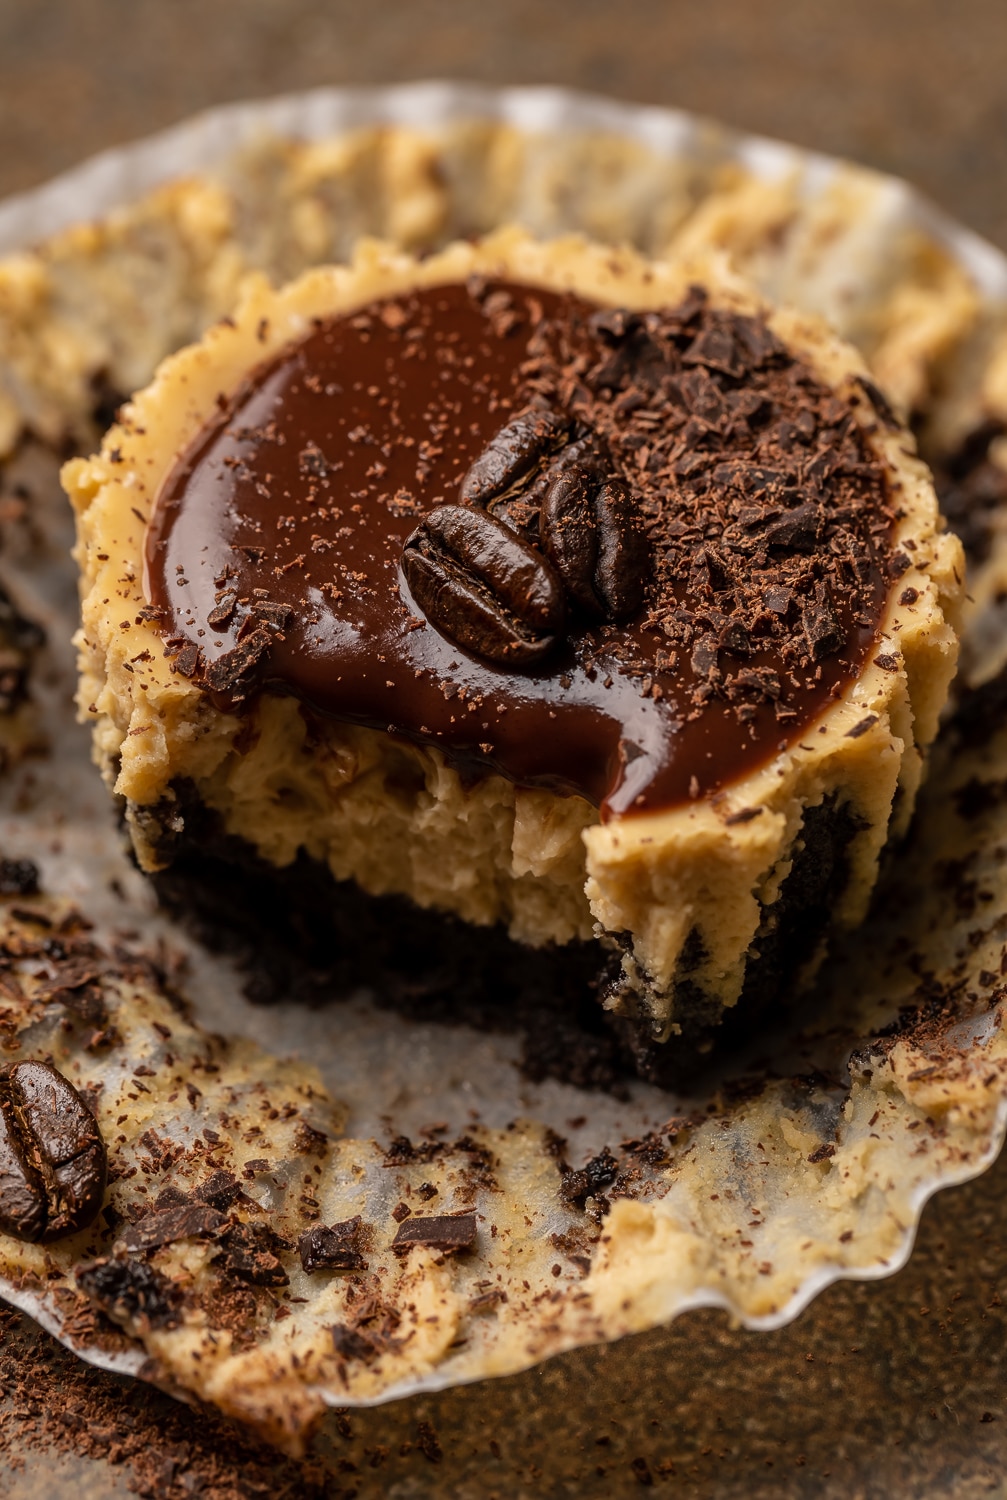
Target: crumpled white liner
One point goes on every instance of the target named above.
(211, 138)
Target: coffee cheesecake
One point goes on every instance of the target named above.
(548, 589)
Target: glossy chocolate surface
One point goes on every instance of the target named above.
(767, 516)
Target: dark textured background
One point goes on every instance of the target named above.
(893, 1389)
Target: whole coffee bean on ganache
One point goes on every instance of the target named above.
(593, 533)
(482, 586)
(513, 454)
(53, 1161)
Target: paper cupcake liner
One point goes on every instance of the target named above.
(776, 1179)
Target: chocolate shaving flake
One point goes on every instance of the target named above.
(759, 342)
(719, 348)
(795, 531)
(87, 1003)
(824, 632)
(350, 1343)
(312, 462)
(190, 1221)
(441, 1232)
(332, 1249)
(249, 1253)
(187, 659)
(614, 323)
(704, 656)
(238, 671)
(862, 728)
(743, 815)
(428, 1443)
(309, 1141)
(371, 1333)
(486, 1302)
(272, 614)
(223, 611)
(401, 1152)
(219, 1190)
(74, 973)
(577, 1186)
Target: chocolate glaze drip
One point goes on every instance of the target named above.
(273, 556)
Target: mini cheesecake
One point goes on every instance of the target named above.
(555, 591)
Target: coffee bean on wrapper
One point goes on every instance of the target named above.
(53, 1161)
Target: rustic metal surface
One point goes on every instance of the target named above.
(880, 1389)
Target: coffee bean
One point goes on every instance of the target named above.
(513, 454)
(519, 508)
(569, 532)
(53, 1162)
(623, 551)
(483, 587)
(593, 533)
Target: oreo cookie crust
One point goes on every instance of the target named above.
(679, 878)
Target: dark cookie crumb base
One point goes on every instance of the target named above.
(303, 937)
(972, 489)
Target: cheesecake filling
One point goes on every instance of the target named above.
(626, 556)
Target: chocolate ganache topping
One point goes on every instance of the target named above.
(625, 555)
